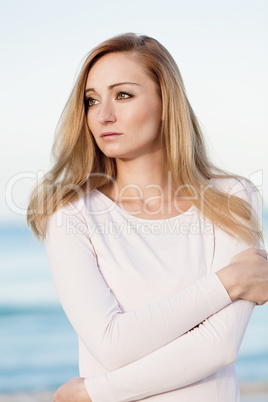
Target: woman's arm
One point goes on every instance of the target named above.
(197, 354)
(193, 356)
(202, 351)
(95, 314)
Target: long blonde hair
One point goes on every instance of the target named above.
(81, 167)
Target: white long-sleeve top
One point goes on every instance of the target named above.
(152, 317)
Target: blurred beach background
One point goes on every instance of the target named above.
(221, 50)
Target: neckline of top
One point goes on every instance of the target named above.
(188, 212)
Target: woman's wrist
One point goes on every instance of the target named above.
(230, 280)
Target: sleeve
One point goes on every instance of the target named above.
(114, 337)
(202, 351)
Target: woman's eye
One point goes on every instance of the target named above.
(123, 95)
(91, 102)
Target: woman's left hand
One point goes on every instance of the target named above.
(73, 390)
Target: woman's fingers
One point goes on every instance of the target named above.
(261, 252)
(249, 276)
(249, 253)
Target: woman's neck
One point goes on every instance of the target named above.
(143, 177)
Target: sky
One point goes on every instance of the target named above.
(220, 48)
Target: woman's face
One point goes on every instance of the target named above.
(123, 107)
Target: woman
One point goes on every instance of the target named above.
(154, 252)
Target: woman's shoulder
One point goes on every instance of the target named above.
(240, 187)
(73, 217)
(233, 185)
(82, 208)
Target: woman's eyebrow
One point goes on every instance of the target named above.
(114, 85)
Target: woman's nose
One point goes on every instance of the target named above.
(106, 113)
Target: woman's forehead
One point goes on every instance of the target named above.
(116, 67)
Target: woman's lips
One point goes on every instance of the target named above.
(110, 136)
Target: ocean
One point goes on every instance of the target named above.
(38, 346)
